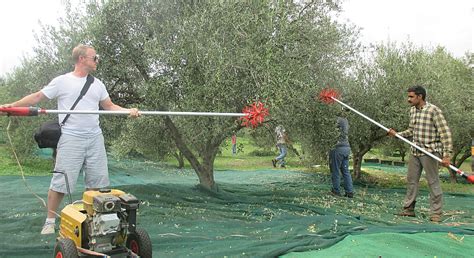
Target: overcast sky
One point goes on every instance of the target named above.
(18, 20)
(426, 23)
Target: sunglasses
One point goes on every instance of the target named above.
(95, 58)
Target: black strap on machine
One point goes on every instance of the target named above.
(89, 81)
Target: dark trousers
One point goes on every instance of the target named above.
(339, 164)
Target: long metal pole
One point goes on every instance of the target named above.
(108, 112)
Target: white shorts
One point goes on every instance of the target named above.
(76, 153)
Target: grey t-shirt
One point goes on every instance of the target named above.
(280, 135)
(66, 88)
(343, 127)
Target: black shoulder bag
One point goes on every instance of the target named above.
(47, 136)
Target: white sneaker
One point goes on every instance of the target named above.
(48, 228)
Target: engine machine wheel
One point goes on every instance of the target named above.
(65, 248)
(140, 243)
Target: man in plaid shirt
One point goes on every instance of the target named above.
(429, 130)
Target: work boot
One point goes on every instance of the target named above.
(408, 211)
(435, 218)
(274, 162)
(349, 195)
(334, 193)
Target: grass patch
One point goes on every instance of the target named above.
(34, 166)
(376, 178)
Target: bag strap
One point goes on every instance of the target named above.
(89, 81)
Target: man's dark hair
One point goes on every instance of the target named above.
(418, 90)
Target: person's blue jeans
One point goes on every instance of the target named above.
(234, 149)
(339, 164)
(283, 151)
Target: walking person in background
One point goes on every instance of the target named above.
(472, 152)
(81, 145)
(234, 144)
(339, 158)
(430, 131)
(282, 142)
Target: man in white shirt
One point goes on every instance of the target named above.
(81, 145)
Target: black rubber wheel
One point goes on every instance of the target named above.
(65, 248)
(140, 243)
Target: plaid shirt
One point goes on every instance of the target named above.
(429, 130)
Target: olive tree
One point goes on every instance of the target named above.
(215, 56)
(380, 93)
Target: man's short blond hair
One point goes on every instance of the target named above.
(79, 50)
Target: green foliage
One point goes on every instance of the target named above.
(21, 129)
(262, 153)
(221, 56)
(214, 56)
(31, 166)
(154, 145)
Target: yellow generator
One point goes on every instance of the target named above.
(102, 224)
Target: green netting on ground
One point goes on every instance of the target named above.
(256, 213)
(396, 246)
